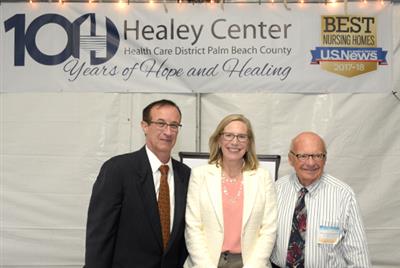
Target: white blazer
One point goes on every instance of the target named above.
(204, 232)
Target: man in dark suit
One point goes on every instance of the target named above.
(123, 227)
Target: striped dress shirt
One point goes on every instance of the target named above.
(335, 233)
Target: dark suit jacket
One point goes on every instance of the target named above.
(123, 226)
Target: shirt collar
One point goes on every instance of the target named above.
(312, 188)
(155, 163)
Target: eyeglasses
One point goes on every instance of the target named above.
(305, 157)
(230, 136)
(163, 125)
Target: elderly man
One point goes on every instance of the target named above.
(319, 222)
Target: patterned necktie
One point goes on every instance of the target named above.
(164, 205)
(295, 253)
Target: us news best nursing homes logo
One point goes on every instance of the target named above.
(348, 46)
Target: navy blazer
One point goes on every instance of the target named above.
(123, 226)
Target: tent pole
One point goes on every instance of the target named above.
(198, 122)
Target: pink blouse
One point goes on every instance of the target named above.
(232, 204)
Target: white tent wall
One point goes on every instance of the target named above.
(50, 144)
(396, 46)
(53, 144)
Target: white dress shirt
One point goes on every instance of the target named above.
(155, 164)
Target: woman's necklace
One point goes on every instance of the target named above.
(229, 189)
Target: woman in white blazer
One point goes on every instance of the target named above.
(231, 208)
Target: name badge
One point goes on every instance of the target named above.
(328, 235)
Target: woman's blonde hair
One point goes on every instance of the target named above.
(250, 157)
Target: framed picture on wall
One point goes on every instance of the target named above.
(269, 162)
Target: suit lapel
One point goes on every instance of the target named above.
(148, 195)
(214, 192)
(180, 203)
(250, 185)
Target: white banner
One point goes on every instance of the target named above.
(112, 47)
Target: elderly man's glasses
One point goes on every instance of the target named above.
(163, 125)
(305, 157)
(230, 136)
